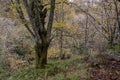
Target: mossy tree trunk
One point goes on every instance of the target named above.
(41, 54)
(41, 31)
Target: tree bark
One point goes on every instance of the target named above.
(41, 54)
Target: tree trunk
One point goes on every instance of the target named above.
(110, 42)
(41, 54)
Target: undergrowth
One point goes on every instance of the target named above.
(71, 69)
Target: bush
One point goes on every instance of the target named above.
(20, 51)
(82, 49)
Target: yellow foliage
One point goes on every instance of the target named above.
(61, 25)
(53, 51)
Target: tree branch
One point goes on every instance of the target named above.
(117, 13)
(22, 17)
(51, 16)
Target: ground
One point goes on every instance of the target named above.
(75, 68)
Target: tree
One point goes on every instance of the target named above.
(104, 17)
(36, 11)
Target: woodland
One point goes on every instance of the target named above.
(59, 39)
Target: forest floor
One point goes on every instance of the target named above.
(110, 70)
(75, 68)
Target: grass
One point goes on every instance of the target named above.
(71, 69)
